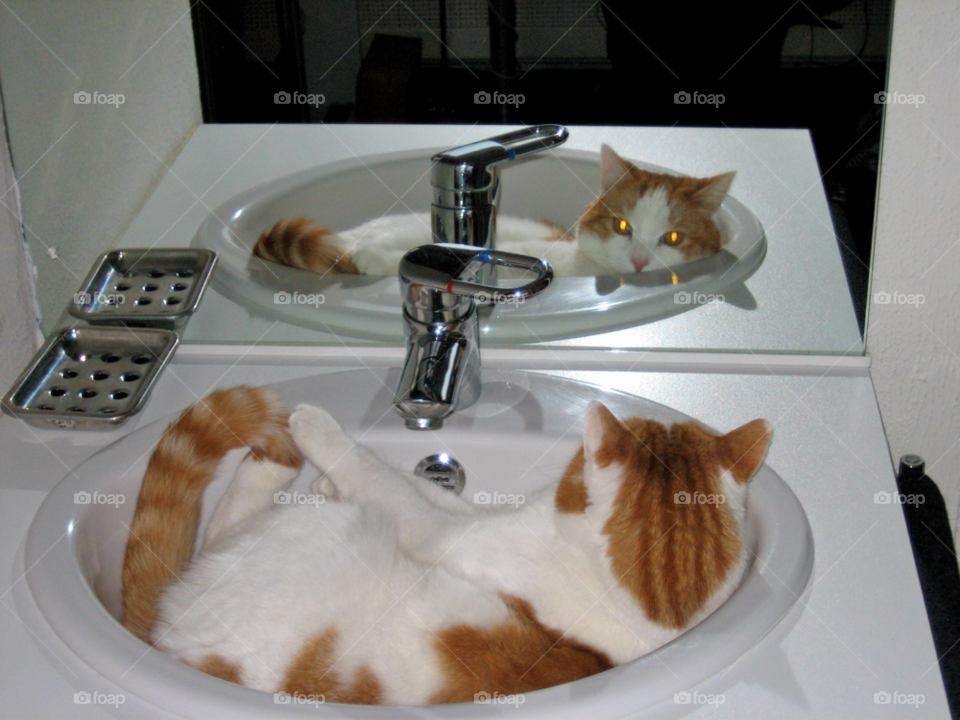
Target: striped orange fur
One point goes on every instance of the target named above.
(302, 243)
(517, 656)
(671, 577)
(165, 522)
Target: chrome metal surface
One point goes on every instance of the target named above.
(466, 186)
(444, 470)
(453, 269)
(144, 288)
(90, 378)
(442, 283)
(911, 461)
(441, 371)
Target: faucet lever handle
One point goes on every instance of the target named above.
(501, 148)
(532, 139)
(495, 294)
(449, 268)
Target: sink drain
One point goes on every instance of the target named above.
(444, 471)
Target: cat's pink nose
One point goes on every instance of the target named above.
(639, 263)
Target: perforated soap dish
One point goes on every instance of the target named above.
(144, 288)
(90, 378)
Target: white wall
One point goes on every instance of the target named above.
(85, 170)
(916, 347)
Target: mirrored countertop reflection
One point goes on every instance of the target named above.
(797, 300)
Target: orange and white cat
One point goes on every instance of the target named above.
(395, 591)
(641, 221)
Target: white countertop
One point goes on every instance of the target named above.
(860, 629)
(797, 301)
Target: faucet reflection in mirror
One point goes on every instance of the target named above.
(648, 518)
(640, 221)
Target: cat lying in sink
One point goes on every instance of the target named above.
(395, 591)
(641, 221)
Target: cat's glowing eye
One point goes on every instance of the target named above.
(622, 227)
(672, 238)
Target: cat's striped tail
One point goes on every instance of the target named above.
(165, 522)
(302, 243)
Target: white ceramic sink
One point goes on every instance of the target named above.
(74, 551)
(557, 185)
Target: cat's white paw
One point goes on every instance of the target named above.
(318, 435)
(375, 262)
(324, 486)
(311, 420)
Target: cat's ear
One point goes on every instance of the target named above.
(603, 474)
(599, 426)
(742, 450)
(714, 190)
(613, 168)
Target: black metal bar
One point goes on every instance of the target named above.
(503, 48)
(935, 555)
(442, 6)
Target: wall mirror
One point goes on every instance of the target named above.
(331, 110)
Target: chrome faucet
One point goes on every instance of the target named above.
(441, 372)
(443, 283)
(466, 186)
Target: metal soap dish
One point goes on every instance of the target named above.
(144, 288)
(90, 378)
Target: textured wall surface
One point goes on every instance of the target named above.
(916, 345)
(18, 325)
(85, 169)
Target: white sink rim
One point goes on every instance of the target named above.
(571, 307)
(776, 580)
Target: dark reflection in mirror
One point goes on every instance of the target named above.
(818, 64)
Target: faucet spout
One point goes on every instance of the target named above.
(441, 371)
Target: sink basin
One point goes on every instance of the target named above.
(74, 551)
(557, 186)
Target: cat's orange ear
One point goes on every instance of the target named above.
(742, 450)
(613, 168)
(715, 190)
(599, 426)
